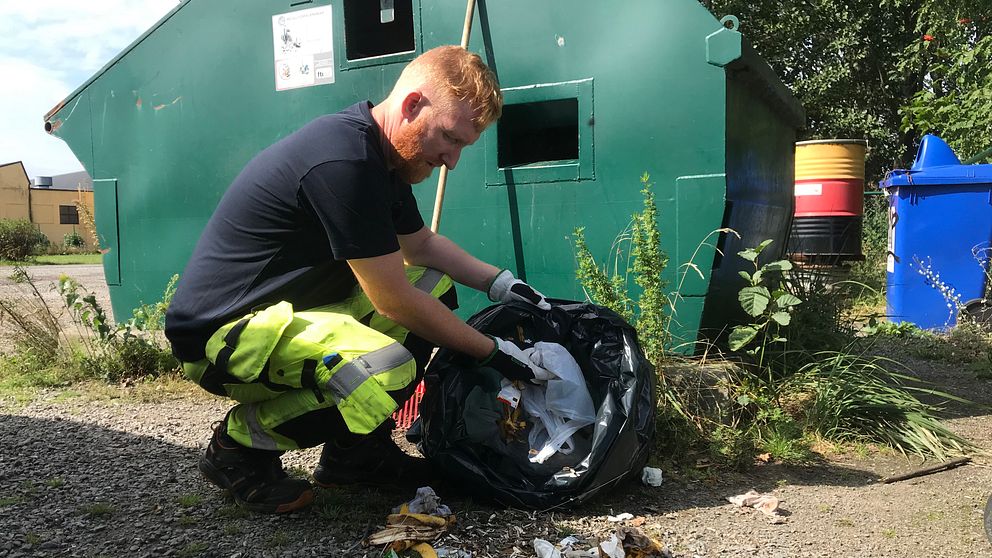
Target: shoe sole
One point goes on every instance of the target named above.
(218, 479)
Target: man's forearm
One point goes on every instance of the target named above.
(441, 253)
(430, 319)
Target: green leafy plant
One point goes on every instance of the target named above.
(73, 240)
(114, 352)
(770, 308)
(151, 317)
(610, 285)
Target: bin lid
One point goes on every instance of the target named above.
(937, 165)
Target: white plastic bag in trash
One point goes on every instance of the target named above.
(560, 407)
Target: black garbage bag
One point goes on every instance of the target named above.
(460, 418)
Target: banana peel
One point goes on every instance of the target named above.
(418, 519)
(638, 545)
(412, 528)
(415, 550)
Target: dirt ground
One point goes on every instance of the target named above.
(115, 476)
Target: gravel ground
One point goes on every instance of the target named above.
(113, 476)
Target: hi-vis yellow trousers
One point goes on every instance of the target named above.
(303, 377)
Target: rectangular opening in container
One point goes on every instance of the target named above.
(377, 28)
(537, 132)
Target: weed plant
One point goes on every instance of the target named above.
(50, 350)
(644, 264)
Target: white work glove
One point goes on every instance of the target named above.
(507, 288)
(510, 360)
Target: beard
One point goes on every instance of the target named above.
(408, 154)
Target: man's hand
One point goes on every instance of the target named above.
(507, 288)
(509, 360)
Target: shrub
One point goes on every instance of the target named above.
(19, 239)
(608, 286)
(72, 240)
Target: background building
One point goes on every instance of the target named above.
(49, 202)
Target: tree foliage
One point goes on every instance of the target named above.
(885, 71)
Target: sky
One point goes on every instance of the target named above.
(48, 48)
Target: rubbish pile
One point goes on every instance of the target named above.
(412, 525)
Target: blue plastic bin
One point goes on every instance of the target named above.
(940, 228)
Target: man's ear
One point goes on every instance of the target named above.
(412, 104)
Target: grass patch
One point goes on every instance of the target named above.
(7, 501)
(231, 529)
(99, 510)
(233, 511)
(189, 500)
(54, 482)
(352, 508)
(278, 539)
(32, 539)
(857, 399)
(57, 259)
(193, 549)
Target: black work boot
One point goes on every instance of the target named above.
(254, 478)
(372, 460)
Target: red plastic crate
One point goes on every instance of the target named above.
(411, 409)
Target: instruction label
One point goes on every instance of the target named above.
(303, 48)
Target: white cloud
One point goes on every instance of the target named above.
(49, 48)
(24, 101)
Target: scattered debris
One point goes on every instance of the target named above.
(412, 524)
(940, 467)
(625, 542)
(544, 549)
(620, 517)
(426, 501)
(651, 476)
(448, 552)
(638, 545)
(765, 503)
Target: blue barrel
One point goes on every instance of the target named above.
(940, 229)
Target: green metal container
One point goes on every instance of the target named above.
(597, 93)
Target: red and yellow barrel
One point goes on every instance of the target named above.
(830, 182)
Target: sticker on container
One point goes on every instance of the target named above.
(303, 48)
(809, 190)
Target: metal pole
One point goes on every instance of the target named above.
(442, 178)
(978, 158)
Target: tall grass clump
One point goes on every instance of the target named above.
(854, 399)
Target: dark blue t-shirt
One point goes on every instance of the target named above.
(286, 225)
